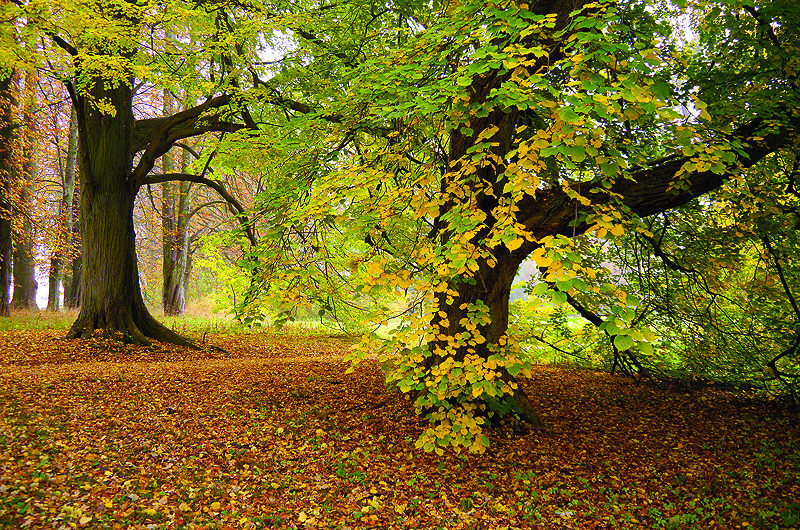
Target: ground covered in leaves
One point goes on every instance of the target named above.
(274, 434)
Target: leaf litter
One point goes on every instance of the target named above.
(273, 433)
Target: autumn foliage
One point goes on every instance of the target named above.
(273, 433)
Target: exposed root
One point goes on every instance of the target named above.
(123, 325)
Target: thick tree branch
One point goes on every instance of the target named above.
(183, 124)
(63, 44)
(647, 191)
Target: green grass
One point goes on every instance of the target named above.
(37, 320)
(194, 320)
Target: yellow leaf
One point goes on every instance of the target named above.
(540, 259)
(515, 244)
(302, 517)
(85, 520)
(616, 230)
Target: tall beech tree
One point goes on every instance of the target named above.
(103, 49)
(24, 254)
(502, 132)
(64, 253)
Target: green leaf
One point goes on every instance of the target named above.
(623, 342)
(539, 289)
(559, 297)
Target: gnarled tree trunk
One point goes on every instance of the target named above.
(493, 288)
(111, 299)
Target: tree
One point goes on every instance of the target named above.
(24, 258)
(504, 132)
(6, 169)
(63, 252)
(117, 152)
(175, 216)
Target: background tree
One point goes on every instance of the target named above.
(6, 169)
(64, 253)
(175, 216)
(24, 255)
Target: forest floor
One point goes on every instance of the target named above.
(274, 434)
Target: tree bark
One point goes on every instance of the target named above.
(111, 299)
(492, 287)
(6, 148)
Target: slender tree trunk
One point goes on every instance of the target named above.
(6, 145)
(54, 281)
(65, 218)
(177, 244)
(174, 229)
(72, 280)
(111, 299)
(24, 256)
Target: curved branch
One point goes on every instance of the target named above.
(187, 148)
(782, 276)
(234, 204)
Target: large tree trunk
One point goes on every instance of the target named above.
(24, 256)
(111, 299)
(6, 142)
(491, 283)
(492, 288)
